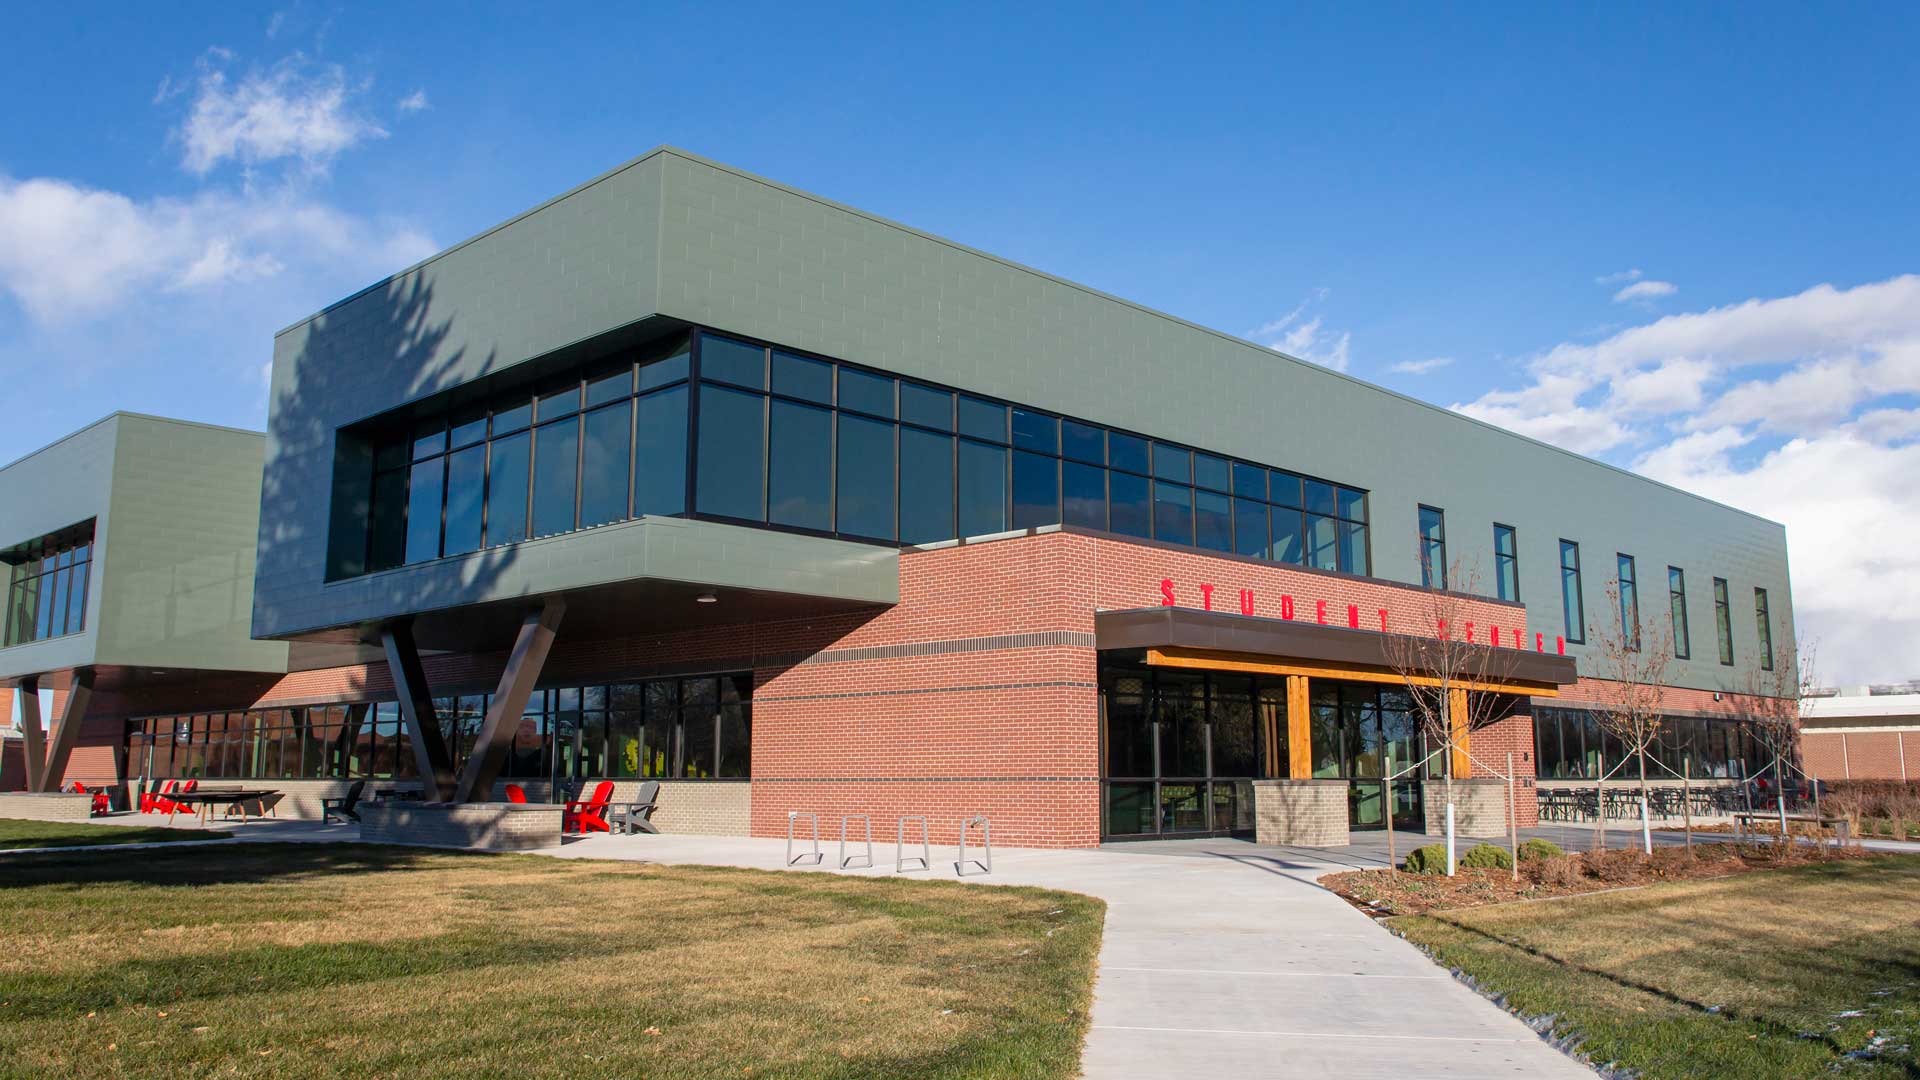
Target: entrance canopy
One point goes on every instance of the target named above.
(1217, 641)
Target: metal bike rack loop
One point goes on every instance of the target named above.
(865, 819)
(986, 844)
(813, 820)
(900, 858)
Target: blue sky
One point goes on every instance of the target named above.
(1677, 240)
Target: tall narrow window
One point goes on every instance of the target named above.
(1677, 605)
(1433, 548)
(1763, 625)
(47, 585)
(1573, 608)
(1506, 562)
(1723, 620)
(1629, 603)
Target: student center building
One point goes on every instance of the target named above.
(689, 476)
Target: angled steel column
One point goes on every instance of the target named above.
(31, 734)
(67, 731)
(523, 668)
(431, 761)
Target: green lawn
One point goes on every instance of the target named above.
(15, 833)
(1801, 972)
(336, 960)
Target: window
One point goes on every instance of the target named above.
(1629, 603)
(680, 727)
(47, 585)
(1433, 548)
(1677, 605)
(1506, 563)
(1572, 607)
(766, 435)
(1723, 620)
(1763, 625)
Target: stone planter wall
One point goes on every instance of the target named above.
(51, 806)
(485, 826)
(1305, 813)
(1479, 807)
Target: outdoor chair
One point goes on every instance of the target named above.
(150, 800)
(637, 816)
(102, 802)
(589, 815)
(516, 793)
(344, 806)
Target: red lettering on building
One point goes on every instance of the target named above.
(1286, 607)
(1246, 601)
(1469, 631)
(1539, 643)
(1320, 611)
(1560, 644)
(1206, 597)
(1353, 616)
(1383, 620)
(1166, 592)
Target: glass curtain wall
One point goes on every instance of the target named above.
(685, 728)
(47, 582)
(1570, 745)
(797, 442)
(1180, 749)
(1354, 727)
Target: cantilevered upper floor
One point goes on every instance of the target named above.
(128, 548)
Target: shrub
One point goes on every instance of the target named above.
(1562, 871)
(1617, 865)
(1487, 857)
(1431, 859)
(1537, 848)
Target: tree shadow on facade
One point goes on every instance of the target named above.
(312, 497)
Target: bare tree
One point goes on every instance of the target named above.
(1632, 672)
(1772, 711)
(1450, 675)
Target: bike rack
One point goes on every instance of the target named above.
(812, 819)
(986, 842)
(900, 858)
(868, 821)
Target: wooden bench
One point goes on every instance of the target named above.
(1745, 820)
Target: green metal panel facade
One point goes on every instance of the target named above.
(674, 235)
(176, 507)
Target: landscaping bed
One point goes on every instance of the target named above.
(1780, 973)
(1384, 893)
(295, 960)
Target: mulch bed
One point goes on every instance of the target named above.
(1386, 893)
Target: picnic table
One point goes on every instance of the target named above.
(205, 799)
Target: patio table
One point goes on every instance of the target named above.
(205, 799)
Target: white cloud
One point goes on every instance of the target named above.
(1420, 367)
(68, 251)
(1303, 339)
(413, 102)
(293, 110)
(1645, 290)
(1799, 408)
(1615, 279)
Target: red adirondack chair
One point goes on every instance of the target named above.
(102, 804)
(589, 815)
(156, 801)
(516, 793)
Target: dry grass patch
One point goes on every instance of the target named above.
(311, 961)
(1806, 971)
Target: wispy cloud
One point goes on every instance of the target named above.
(1421, 367)
(1619, 278)
(1305, 338)
(1645, 290)
(413, 102)
(294, 110)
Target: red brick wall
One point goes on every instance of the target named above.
(1862, 755)
(1490, 747)
(975, 694)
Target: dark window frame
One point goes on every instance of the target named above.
(1723, 621)
(1573, 603)
(1677, 612)
(1506, 563)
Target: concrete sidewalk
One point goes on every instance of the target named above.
(1222, 958)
